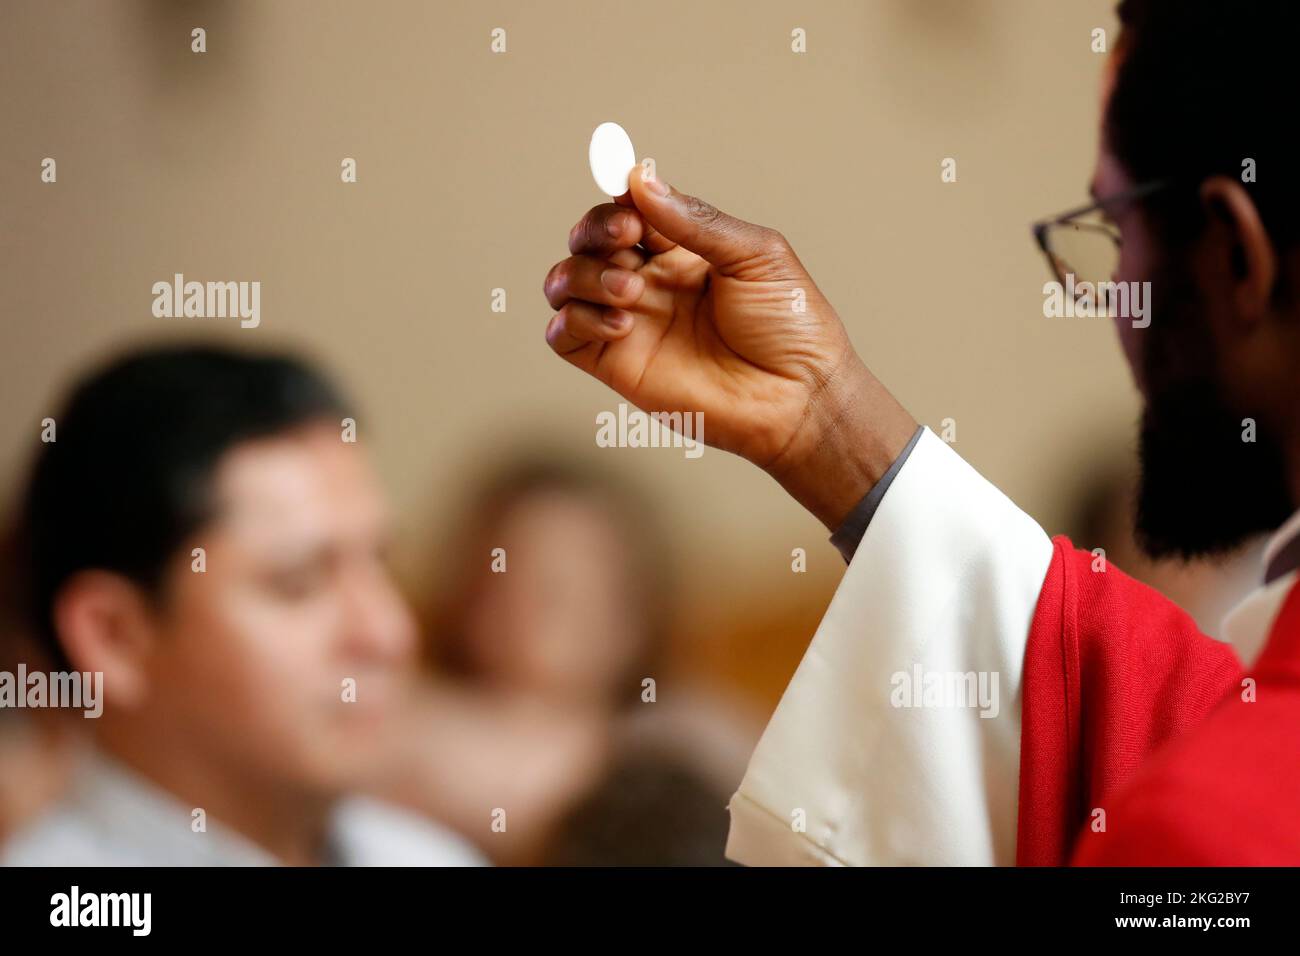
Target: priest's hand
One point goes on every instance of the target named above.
(681, 308)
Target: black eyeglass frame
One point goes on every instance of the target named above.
(1043, 226)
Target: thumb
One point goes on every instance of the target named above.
(724, 241)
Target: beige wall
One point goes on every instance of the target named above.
(472, 168)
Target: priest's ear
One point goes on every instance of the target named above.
(1240, 258)
(104, 624)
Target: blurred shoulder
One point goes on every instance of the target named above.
(60, 837)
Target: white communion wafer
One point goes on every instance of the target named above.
(612, 158)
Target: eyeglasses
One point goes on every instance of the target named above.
(1083, 243)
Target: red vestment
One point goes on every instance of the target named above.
(1130, 710)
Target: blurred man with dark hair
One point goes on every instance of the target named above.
(1120, 734)
(202, 532)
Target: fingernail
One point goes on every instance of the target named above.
(616, 281)
(654, 183)
(614, 226)
(616, 319)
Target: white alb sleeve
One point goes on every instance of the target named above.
(897, 741)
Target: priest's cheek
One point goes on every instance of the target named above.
(1133, 267)
(1130, 342)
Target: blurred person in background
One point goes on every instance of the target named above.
(33, 768)
(200, 532)
(555, 612)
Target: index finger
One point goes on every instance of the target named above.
(606, 229)
(651, 240)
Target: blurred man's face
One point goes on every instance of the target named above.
(253, 653)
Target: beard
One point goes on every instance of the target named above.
(1203, 489)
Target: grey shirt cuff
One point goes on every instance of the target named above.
(851, 530)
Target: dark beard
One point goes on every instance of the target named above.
(1202, 490)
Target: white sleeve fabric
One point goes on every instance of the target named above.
(897, 741)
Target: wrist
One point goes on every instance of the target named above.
(853, 432)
